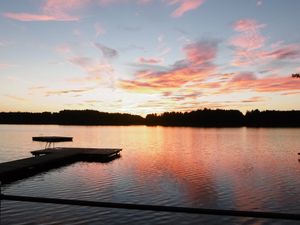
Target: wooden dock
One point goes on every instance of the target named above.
(97, 152)
(53, 158)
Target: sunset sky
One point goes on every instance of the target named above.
(149, 56)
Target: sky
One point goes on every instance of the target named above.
(149, 56)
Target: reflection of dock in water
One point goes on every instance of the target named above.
(49, 158)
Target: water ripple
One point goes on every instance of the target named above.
(245, 169)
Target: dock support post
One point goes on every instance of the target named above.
(0, 200)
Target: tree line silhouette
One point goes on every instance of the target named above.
(71, 117)
(198, 118)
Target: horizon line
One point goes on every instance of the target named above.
(200, 109)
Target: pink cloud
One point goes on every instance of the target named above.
(59, 10)
(29, 17)
(59, 6)
(248, 76)
(52, 10)
(291, 93)
(249, 37)
(244, 25)
(200, 52)
(267, 85)
(286, 52)
(149, 60)
(63, 48)
(197, 71)
(244, 57)
(276, 84)
(254, 99)
(197, 65)
(62, 9)
(95, 70)
(185, 6)
(250, 47)
(68, 91)
(248, 42)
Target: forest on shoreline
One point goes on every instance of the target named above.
(197, 118)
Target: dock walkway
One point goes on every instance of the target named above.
(52, 158)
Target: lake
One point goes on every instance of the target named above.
(223, 168)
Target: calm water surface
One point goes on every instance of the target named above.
(238, 168)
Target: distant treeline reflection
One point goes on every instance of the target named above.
(198, 118)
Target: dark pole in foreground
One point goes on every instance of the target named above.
(0, 200)
(217, 212)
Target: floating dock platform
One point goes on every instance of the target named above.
(95, 152)
(50, 158)
(53, 158)
(52, 139)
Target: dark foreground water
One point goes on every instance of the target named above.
(238, 168)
